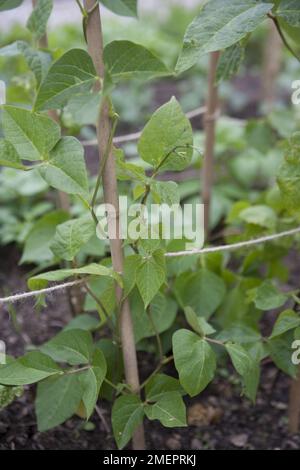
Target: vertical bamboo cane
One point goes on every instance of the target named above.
(271, 67)
(294, 405)
(95, 46)
(210, 129)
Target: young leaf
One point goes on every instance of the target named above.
(159, 385)
(203, 291)
(91, 381)
(195, 361)
(127, 415)
(199, 324)
(41, 280)
(219, 25)
(125, 59)
(9, 156)
(287, 320)
(71, 346)
(167, 139)
(37, 22)
(268, 297)
(289, 11)
(229, 62)
(71, 236)
(65, 169)
(9, 4)
(72, 74)
(169, 410)
(31, 368)
(121, 7)
(32, 135)
(150, 276)
(39, 238)
(57, 400)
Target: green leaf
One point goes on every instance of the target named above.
(268, 297)
(150, 276)
(159, 385)
(288, 179)
(115, 368)
(41, 280)
(38, 240)
(219, 25)
(230, 62)
(246, 367)
(71, 236)
(9, 4)
(289, 11)
(131, 266)
(32, 135)
(127, 415)
(31, 368)
(91, 381)
(65, 169)
(169, 410)
(9, 156)
(57, 400)
(202, 291)
(261, 215)
(125, 59)
(287, 320)
(9, 394)
(195, 361)
(37, 22)
(199, 324)
(165, 192)
(281, 351)
(84, 108)
(121, 7)
(167, 139)
(72, 74)
(72, 346)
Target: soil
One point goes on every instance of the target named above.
(219, 419)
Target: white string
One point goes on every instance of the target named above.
(213, 249)
(136, 135)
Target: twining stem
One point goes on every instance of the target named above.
(104, 128)
(210, 130)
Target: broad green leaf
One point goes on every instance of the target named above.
(150, 276)
(169, 410)
(287, 320)
(31, 368)
(41, 280)
(72, 74)
(163, 313)
(268, 297)
(72, 346)
(195, 361)
(38, 240)
(91, 381)
(199, 324)
(280, 350)
(9, 4)
(240, 333)
(57, 400)
(65, 169)
(83, 322)
(71, 236)
(219, 25)
(32, 135)
(288, 179)
(8, 156)
(160, 384)
(203, 291)
(38, 61)
(127, 415)
(125, 59)
(83, 108)
(104, 289)
(131, 266)
(261, 215)
(289, 11)
(115, 368)
(37, 22)
(245, 365)
(230, 62)
(167, 139)
(165, 192)
(121, 7)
